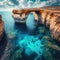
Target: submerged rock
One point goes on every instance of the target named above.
(28, 51)
(41, 30)
(47, 37)
(12, 34)
(17, 54)
(55, 28)
(31, 45)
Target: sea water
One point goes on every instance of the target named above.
(19, 45)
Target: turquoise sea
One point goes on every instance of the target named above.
(18, 44)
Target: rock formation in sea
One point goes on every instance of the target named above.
(1, 27)
(48, 16)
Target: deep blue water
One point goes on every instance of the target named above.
(20, 45)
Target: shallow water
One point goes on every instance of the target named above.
(18, 44)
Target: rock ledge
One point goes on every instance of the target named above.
(49, 16)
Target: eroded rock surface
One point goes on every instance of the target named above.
(1, 27)
(49, 16)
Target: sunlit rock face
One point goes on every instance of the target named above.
(52, 23)
(31, 44)
(19, 17)
(30, 22)
(1, 27)
(43, 16)
(55, 28)
(48, 19)
(48, 16)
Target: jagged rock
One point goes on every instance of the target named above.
(48, 19)
(54, 27)
(1, 27)
(49, 16)
(43, 16)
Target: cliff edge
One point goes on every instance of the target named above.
(1, 28)
(49, 16)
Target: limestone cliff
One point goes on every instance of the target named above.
(49, 16)
(1, 27)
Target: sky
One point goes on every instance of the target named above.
(27, 3)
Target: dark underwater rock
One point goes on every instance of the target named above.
(41, 30)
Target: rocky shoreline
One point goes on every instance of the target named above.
(1, 28)
(49, 16)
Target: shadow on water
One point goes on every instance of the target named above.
(3, 44)
(31, 57)
(20, 27)
(25, 57)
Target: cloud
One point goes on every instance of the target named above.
(26, 3)
(1, 3)
(10, 3)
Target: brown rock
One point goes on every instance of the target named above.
(49, 16)
(52, 22)
(43, 16)
(48, 19)
(1, 27)
(56, 32)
